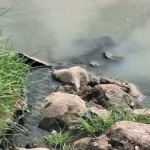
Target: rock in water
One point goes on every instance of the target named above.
(61, 104)
(129, 88)
(135, 92)
(111, 56)
(58, 108)
(124, 85)
(111, 95)
(75, 75)
(94, 63)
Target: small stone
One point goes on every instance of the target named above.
(19, 105)
(94, 63)
(112, 56)
(103, 113)
(54, 132)
(93, 82)
(95, 144)
(107, 55)
(82, 144)
(137, 148)
(132, 104)
(101, 143)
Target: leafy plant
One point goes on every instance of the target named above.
(93, 124)
(121, 113)
(58, 139)
(13, 78)
(142, 117)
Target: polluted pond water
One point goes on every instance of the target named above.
(78, 32)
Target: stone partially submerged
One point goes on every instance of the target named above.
(61, 104)
(129, 88)
(57, 108)
(124, 85)
(109, 92)
(135, 92)
(75, 76)
(111, 95)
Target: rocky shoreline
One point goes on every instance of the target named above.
(81, 96)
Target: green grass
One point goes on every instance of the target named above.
(13, 78)
(142, 118)
(66, 147)
(58, 139)
(92, 124)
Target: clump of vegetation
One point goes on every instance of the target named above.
(93, 124)
(142, 117)
(58, 139)
(13, 78)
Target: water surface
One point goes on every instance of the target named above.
(63, 30)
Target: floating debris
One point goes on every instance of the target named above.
(32, 61)
(111, 56)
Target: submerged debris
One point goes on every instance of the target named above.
(34, 62)
(111, 56)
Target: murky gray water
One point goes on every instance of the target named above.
(55, 30)
(51, 28)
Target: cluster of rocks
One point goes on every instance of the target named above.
(80, 93)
